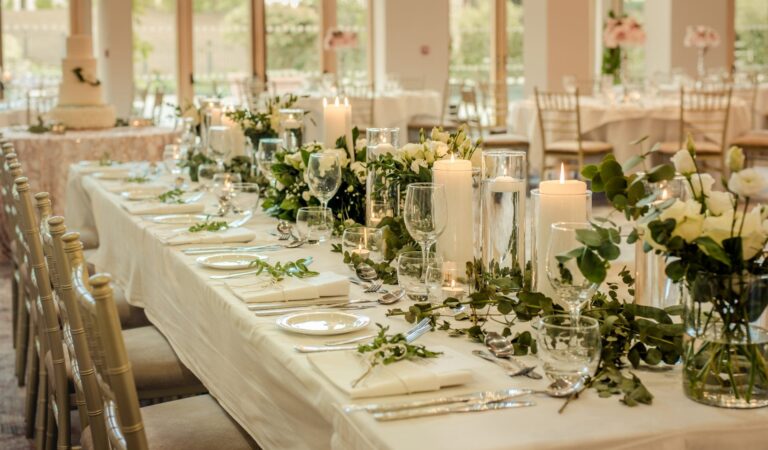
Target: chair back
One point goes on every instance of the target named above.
(472, 112)
(494, 103)
(47, 316)
(704, 114)
(559, 117)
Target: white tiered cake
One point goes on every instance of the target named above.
(81, 104)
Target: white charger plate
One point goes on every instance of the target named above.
(324, 323)
(229, 261)
(179, 219)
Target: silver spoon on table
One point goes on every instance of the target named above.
(500, 347)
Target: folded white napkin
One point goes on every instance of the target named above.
(130, 187)
(183, 236)
(403, 377)
(153, 207)
(93, 166)
(256, 290)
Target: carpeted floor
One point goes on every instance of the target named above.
(11, 395)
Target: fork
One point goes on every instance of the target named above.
(369, 288)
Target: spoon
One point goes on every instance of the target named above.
(391, 297)
(285, 229)
(366, 273)
(501, 348)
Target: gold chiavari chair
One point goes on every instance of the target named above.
(448, 119)
(559, 117)
(497, 136)
(755, 141)
(191, 423)
(7, 157)
(704, 115)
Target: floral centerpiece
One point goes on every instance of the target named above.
(702, 38)
(620, 33)
(263, 122)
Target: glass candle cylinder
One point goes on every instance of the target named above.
(381, 195)
(292, 127)
(365, 242)
(554, 201)
(503, 209)
(652, 287)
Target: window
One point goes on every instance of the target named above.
(352, 63)
(470, 24)
(154, 47)
(636, 55)
(293, 42)
(751, 45)
(34, 44)
(221, 34)
(515, 78)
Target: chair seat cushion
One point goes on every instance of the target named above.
(504, 140)
(756, 138)
(156, 368)
(427, 122)
(191, 423)
(130, 316)
(702, 147)
(573, 147)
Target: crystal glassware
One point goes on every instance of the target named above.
(265, 155)
(323, 175)
(222, 187)
(425, 214)
(205, 173)
(571, 286)
(366, 242)
(173, 154)
(314, 224)
(244, 198)
(219, 143)
(381, 195)
(292, 127)
(446, 280)
(569, 347)
(411, 274)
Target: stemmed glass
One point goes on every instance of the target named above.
(425, 214)
(223, 187)
(173, 154)
(573, 288)
(219, 144)
(265, 155)
(324, 176)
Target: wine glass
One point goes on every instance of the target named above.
(219, 144)
(244, 198)
(573, 288)
(223, 186)
(265, 155)
(324, 176)
(425, 214)
(173, 154)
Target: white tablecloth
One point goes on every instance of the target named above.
(276, 395)
(620, 124)
(388, 111)
(10, 117)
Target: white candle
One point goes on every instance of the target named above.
(559, 201)
(336, 122)
(361, 252)
(237, 136)
(216, 116)
(506, 184)
(457, 242)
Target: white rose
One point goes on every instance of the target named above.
(358, 169)
(361, 143)
(747, 183)
(683, 162)
(280, 186)
(438, 135)
(413, 151)
(719, 202)
(688, 219)
(735, 158)
(752, 234)
(645, 235)
(294, 160)
(417, 165)
(343, 156)
(305, 195)
(702, 184)
(724, 227)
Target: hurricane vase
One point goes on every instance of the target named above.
(382, 196)
(725, 344)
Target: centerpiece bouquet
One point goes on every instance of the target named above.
(702, 38)
(620, 33)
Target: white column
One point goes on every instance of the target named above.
(665, 32)
(115, 53)
(411, 39)
(558, 40)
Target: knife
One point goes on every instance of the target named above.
(476, 397)
(439, 410)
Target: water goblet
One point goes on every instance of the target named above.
(314, 224)
(205, 173)
(412, 274)
(265, 155)
(173, 154)
(323, 175)
(568, 347)
(219, 144)
(573, 288)
(425, 214)
(244, 198)
(222, 187)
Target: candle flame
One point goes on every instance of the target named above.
(562, 173)
(325, 102)
(453, 283)
(336, 103)
(346, 101)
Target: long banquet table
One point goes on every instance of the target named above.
(250, 367)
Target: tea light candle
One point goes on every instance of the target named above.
(452, 290)
(457, 241)
(361, 252)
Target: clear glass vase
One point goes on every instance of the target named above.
(382, 196)
(292, 127)
(725, 345)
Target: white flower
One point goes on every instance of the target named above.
(440, 149)
(280, 186)
(645, 234)
(358, 169)
(753, 233)
(413, 151)
(688, 219)
(747, 183)
(305, 195)
(719, 202)
(417, 165)
(683, 162)
(438, 135)
(735, 158)
(294, 160)
(361, 143)
(702, 184)
(343, 157)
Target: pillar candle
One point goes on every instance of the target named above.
(216, 116)
(336, 122)
(237, 136)
(559, 201)
(457, 241)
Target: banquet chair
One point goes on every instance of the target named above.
(704, 115)
(191, 423)
(448, 119)
(363, 103)
(157, 105)
(7, 157)
(497, 136)
(559, 117)
(753, 142)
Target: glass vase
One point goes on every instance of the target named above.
(292, 128)
(382, 196)
(725, 344)
(701, 68)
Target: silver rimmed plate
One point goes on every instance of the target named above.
(323, 322)
(229, 261)
(179, 219)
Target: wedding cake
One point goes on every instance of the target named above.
(81, 103)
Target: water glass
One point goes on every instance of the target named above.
(222, 187)
(219, 143)
(323, 175)
(172, 155)
(244, 198)
(265, 155)
(411, 274)
(205, 173)
(568, 347)
(314, 224)
(573, 288)
(366, 242)
(425, 214)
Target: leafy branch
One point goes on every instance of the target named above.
(207, 225)
(137, 179)
(172, 196)
(278, 271)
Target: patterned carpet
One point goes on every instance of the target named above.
(11, 395)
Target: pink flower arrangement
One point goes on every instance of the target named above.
(701, 36)
(337, 39)
(623, 32)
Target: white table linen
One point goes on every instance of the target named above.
(276, 394)
(327, 284)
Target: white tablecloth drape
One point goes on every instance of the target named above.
(620, 124)
(249, 365)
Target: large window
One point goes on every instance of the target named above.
(470, 25)
(352, 64)
(154, 46)
(751, 34)
(34, 43)
(515, 78)
(293, 42)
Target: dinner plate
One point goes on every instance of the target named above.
(229, 261)
(135, 194)
(112, 175)
(179, 219)
(323, 322)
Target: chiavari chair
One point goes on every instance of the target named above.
(755, 141)
(559, 117)
(497, 136)
(448, 118)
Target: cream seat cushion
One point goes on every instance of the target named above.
(192, 423)
(702, 147)
(506, 139)
(756, 138)
(573, 147)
